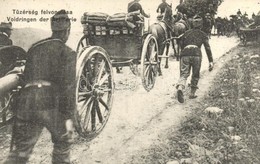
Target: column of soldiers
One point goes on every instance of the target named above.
(47, 98)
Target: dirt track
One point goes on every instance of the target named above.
(138, 118)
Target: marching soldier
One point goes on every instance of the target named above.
(48, 96)
(5, 33)
(191, 57)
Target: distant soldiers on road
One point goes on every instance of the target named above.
(191, 57)
(5, 33)
(47, 98)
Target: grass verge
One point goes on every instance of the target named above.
(231, 135)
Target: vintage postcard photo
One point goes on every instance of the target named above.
(129, 81)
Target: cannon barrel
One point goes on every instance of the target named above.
(8, 82)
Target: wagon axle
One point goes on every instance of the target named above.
(97, 91)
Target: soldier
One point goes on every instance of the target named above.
(5, 33)
(161, 8)
(165, 10)
(136, 6)
(48, 96)
(239, 13)
(191, 58)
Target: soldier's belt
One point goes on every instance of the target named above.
(38, 84)
(191, 46)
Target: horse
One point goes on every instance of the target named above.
(179, 28)
(165, 33)
(162, 31)
(208, 23)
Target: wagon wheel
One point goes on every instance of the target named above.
(95, 87)
(83, 42)
(5, 109)
(149, 62)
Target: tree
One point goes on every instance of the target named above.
(199, 7)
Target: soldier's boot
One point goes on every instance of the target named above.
(180, 95)
(192, 93)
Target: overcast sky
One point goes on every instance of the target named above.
(78, 7)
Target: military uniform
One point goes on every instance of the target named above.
(135, 6)
(162, 7)
(5, 32)
(46, 100)
(191, 57)
(5, 40)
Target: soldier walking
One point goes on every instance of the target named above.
(48, 96)
(5, 33)
(191, 57)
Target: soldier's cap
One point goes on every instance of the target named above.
(60, 21)
(5, 25)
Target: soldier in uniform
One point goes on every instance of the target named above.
(5, 33)
(48, 96)
(165, 9)
(239, 13)
(136, 6)
(191, 57)
(161, 8)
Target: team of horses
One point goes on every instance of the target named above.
(169, 33)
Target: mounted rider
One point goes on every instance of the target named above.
(165, 13)
(136, 6)
(162, 7)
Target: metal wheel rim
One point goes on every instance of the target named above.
(95, 96)
(149, 62)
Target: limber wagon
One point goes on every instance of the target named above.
(249, 35)
(110, 41)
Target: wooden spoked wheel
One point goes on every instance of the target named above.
(149, 62)
(6, 113)
(94, 93)
(83, 42)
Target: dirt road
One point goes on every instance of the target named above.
(138, 118)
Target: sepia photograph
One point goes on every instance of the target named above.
(130, 81)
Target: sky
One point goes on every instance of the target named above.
(229, 7)
(9, 8)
